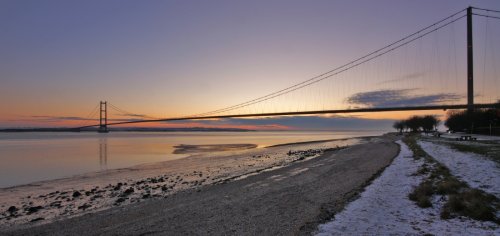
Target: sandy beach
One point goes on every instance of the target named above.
(240, 191)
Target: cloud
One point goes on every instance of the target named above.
(400, 98)
(59, 118)
(69, 118)
(404, 77)
(133, 115)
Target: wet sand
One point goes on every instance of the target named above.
(309, 187)
(189, 149)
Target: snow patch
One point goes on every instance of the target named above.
(477, 171)
(384, 208)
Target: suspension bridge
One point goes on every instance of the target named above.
(421, 71)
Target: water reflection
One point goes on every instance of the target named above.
(30, 157)
(103, 153)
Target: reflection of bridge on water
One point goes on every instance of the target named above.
(103, 153)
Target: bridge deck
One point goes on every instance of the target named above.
(359, 110)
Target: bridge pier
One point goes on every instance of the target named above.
(103, 117)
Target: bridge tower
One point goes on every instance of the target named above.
(470, 63)
(103, 117)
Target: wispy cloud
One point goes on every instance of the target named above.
(132, 115)
(399, 98)
(404, 77)
(58, 118)
(68, 118)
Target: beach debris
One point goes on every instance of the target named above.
(12, 209)
(119, 200)
(31, 210)
(118, 186)
(302, 154)
(56, 204)
(95, 197)
(76, 193)
(37, 219)
(128, 191)
(84, 206)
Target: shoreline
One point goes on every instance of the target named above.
(153, 180)
(292, 182)
(195, 154)
(320, 141)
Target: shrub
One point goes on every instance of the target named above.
(449, 186)
(421, 194)
(473, 203)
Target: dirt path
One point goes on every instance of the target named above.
(290, 200)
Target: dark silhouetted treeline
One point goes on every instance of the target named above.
(417, 123)
(481, 121)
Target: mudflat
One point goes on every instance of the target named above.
(290, 200)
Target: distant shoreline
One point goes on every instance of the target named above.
(74, 130)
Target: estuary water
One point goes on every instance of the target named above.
(30, 157)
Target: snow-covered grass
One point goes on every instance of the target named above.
(476, 170)
(384, 208)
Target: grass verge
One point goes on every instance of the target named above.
(462, 200)
(491, 150)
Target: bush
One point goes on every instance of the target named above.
(421, 194)
(449, 186)
(473, 203)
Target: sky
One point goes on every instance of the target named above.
(174, 58)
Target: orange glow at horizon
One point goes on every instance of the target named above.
(29, 122)
(34, 123)
(401, 115)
